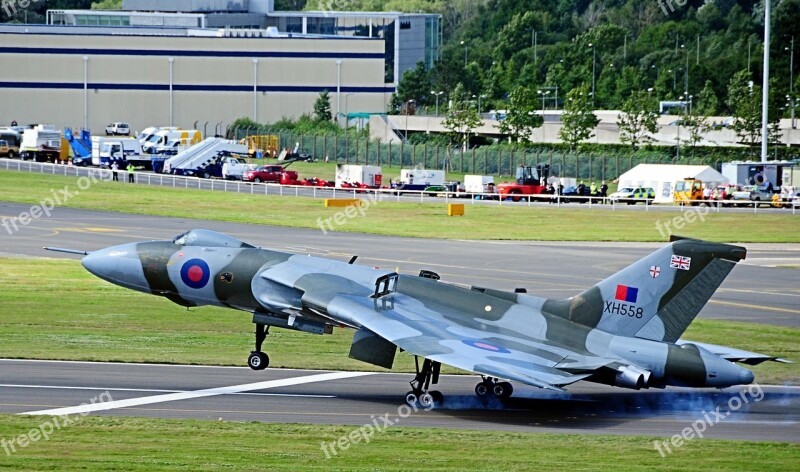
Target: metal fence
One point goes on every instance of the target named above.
(379, 195)
(498, 160)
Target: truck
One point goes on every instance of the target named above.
(479, 184)
(349, 175)
(418, 179)
(42, 142)
(689, 191)
(13, 139)
(122, 150)
(529, 181)
(163, 138)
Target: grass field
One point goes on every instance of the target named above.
(404, 219)
(138, 444)
(70, 314)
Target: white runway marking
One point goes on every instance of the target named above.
(210, 392)
(156, 390)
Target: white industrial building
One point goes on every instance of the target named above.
(662, 178)
(204, 63)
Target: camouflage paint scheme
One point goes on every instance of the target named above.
(624, 331)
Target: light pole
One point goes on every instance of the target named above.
(465, 53)
(478, 97)
(686, 72)
(591, 45)
(791, 66)
(791, 102)
(346, 112)
(338, 88)
(543, 93)
(437, 95)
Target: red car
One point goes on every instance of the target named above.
(272, 173)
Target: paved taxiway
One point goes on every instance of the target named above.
(755, 291)
(296, 396)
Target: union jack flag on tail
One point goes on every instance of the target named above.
(680, 262)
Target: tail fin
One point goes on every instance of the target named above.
(656, 297)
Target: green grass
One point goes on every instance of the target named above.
(572, 223)
(133, 444)
(70, 314)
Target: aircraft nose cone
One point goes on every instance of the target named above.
(119, 265)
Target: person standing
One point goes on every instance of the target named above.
(114, 172)
(130, 173)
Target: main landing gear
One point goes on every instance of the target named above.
(259, 360)
(429, 374)
(490, 387)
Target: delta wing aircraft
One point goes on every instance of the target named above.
(624, 331)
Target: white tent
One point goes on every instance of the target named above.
(662, 178)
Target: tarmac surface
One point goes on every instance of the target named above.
(760, 413)
(763, 289)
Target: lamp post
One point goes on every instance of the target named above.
(591, 45)
(466, 48)
(686, 72)
(791, 66)
(346, 112)
(437, 95)
(791, 102)
(543, 93)
(478, 97)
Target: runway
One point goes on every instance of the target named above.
(762, 289)
(765, 413)
(756, 291)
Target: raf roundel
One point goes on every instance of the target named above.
(485, 346)
(195, 273)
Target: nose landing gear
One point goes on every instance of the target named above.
(258, 360)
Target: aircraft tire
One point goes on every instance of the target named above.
(483, 390)
(503, 390)
(411, 399)
(258, 361)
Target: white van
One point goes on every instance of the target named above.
(118, 129)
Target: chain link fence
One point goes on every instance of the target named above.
(354, 147)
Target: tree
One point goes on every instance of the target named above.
(707, 103)
(461, 118)
(322, 107)
(697, 126)
(637, 118)
(578, 118)
(744, 99)
(521, 117)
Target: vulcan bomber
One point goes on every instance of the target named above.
(625, 331)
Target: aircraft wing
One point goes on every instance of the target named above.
(423, 323)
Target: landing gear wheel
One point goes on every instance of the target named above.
(258, 360)
(438, 397)
(483, 390)
(426, 400)
(411, 399)
(503, 390)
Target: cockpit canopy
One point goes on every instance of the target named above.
(206, 238)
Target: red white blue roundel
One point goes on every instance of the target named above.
(485, 346)
(195, 273)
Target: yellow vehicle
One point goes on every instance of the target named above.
(268, 145)
(688, 191)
